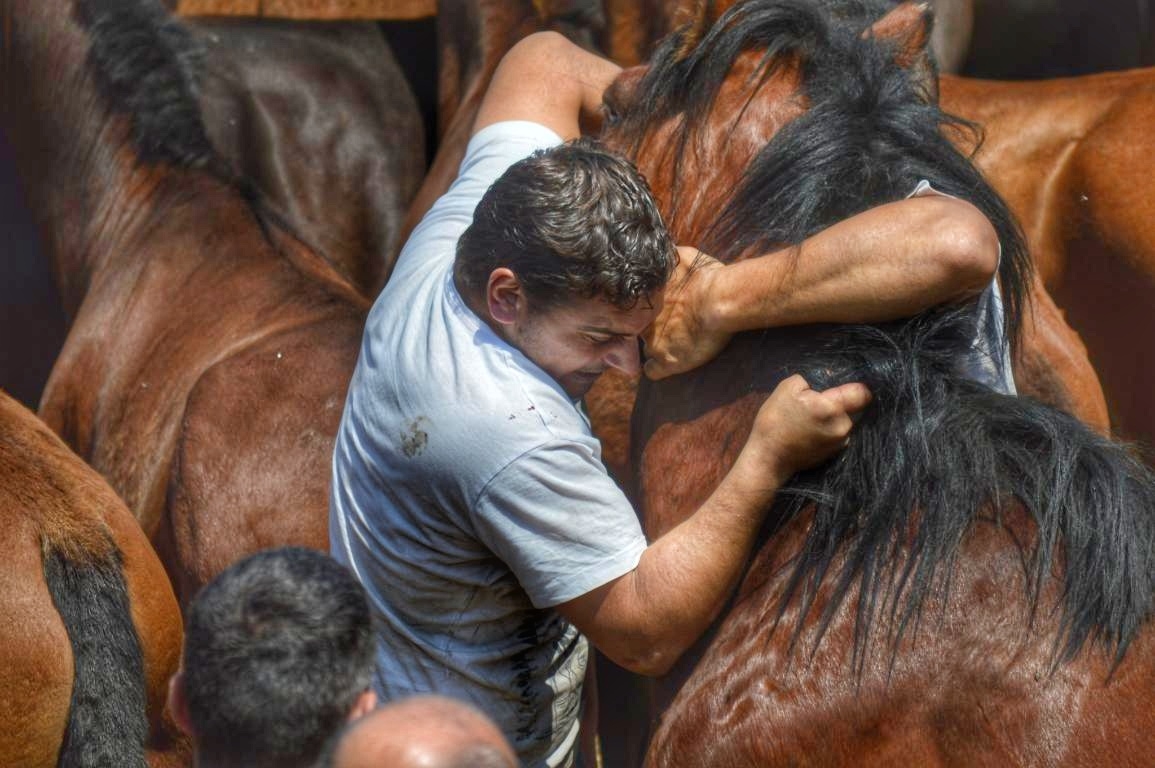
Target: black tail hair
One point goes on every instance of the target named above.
(934, 448)
(107, 720)
(146, 65)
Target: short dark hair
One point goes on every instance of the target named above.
(277, 649)
(571, 221)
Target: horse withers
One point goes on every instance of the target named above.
(92, 631)
(972, 579)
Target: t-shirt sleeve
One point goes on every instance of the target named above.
(559, 522)
(488, 155)
(991, 360)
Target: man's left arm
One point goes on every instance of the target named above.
(547, 79)
(886, 263)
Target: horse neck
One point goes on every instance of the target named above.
(73, 154)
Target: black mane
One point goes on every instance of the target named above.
(936, 452)
(146, 67)
(872, 132)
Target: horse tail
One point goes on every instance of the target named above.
(936, 452)
(107, 722)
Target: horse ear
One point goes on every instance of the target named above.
(694, 19)
(909, 26)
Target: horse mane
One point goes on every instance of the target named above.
(146, 66)
(936, 452)
(872, 131)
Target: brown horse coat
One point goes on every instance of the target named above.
(1071, 157)
(209, 350)
(321, 119)
(973, 680)
(52, 504)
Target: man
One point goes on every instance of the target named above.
(278, 656)
(468, 492)
(424, 732)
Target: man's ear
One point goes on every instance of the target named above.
(504, 296)
(178, 703)
(364, 704)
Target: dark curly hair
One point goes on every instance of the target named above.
(277, 650)
(571, 221)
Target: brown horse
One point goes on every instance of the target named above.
(634, 28)
(1051, 363)
(1071, 157)
(209, 350)
(320, 117)
(972, 580)
(91, 630)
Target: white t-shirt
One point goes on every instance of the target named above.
(469, 494)
(989, 360)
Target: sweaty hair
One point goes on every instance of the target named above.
(572, 221)
(277, 650)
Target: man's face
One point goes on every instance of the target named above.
(575, 342)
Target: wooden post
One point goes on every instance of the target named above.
(311, 9)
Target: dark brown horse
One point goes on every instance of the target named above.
(1072, 158)
(91, 631)
(320, 118)
(971, 581)
(209, 350)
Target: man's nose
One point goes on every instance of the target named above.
(625, 356)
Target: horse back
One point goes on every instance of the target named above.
(973, 682)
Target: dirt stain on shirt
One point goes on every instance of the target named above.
(414, 438)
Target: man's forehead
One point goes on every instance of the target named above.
(602, 316)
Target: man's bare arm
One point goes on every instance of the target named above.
(889, 262)
(547, 79)
(647, 618)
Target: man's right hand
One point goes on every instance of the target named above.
(798, 427)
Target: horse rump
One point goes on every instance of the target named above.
(107, 722)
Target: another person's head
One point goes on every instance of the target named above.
(278, 656)
(424, 732)
(567, 257)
